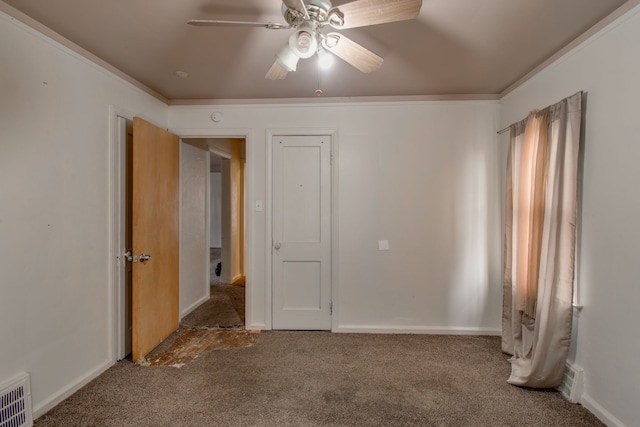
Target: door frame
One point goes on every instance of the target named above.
(116, 286)
(333, 164)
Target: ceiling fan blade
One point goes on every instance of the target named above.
(276, 72)
(220, 23)
(360, 13)
(352, 53)
(297, 5)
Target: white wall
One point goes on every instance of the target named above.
(215, 209)
(607, 67)
(55, 286)
(423, 175)
(194, 249)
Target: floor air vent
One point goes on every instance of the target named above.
(571, 386)
(15, 403)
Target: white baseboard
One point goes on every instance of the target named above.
(450, 330)
(193, 306)
(603, 415)
(256, 327)
(71, 388)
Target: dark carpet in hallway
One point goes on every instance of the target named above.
(225, 309)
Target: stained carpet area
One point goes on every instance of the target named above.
(323, 379)
(191, 343)
(215, 325)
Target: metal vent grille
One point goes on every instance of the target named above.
(572, 383)
(15, 403)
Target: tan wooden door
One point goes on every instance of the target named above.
(155, 233)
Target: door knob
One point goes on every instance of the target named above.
(144, 257)
(278, 245)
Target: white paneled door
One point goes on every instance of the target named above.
(301, 232)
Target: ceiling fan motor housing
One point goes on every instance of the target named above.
(318, 11)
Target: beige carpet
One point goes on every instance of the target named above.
(323, 379)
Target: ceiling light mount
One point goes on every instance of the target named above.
(316, 10)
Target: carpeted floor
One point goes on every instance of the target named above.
(318, 378)
(225, 309)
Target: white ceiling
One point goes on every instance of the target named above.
(470, 47)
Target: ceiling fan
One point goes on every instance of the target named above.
(312, 20)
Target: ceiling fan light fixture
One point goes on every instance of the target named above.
(303, 42)
(287, 58)
(309, 19)
(325, 59)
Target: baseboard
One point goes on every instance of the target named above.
(51, 402)
(193, 306)
(256, 327)
(450, 330)
(603, 415)
(238, 279)
(235, 279)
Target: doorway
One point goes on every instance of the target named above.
(227, 210)
(226, 242)
(120, 302)
(227, 231)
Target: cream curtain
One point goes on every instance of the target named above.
(539, 258)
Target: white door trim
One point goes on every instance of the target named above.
(271, 133)
(115, 308)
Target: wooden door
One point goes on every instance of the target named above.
(301, 230)
(155, 233)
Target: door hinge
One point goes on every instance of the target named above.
(129, 256)
(330, 307)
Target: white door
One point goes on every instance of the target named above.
(301, 232)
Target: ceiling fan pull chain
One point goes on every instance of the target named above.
(318, 91)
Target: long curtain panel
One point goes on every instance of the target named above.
(539, 256)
